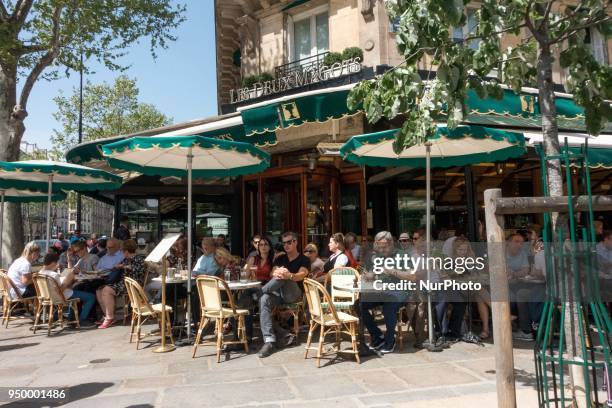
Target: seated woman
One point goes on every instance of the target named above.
(88, 300)
(224, 260)
(132, 266)
(20, 271)
(261, 262)
(316, 264)
(337, 258)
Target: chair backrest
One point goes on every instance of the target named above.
(49, 289)
(209, 289)
(138, 298)
(5, 285)
(342, 276)
(315, 294)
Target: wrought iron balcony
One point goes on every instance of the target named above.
(311, 63)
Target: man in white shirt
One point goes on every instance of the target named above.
(88, 300)
(113, 255)
(604, 254)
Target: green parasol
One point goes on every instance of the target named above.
(14, 195)
(461, 146)
(51, 176)
(186, 156)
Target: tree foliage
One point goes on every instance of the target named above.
(482, 60)
(108, 110)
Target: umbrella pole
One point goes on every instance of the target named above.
(49, 210)
(2, 192)
(189, 240)
(164, 348)
(430, 329)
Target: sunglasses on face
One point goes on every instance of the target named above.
(256, 242)
(289, 242)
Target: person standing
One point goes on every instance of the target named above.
(288, 272)
(123, 231)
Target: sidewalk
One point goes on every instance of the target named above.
(101, 369)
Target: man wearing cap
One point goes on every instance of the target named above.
(405, 246)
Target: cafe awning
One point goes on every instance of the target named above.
(599, 147)
(295, 110)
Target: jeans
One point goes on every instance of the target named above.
(529, 307)
(274, 293)
(390, 310)
(88, 300)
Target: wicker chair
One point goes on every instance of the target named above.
(10, 302)
(127, 304)
(142, 311)
(329, 320)
(51, 296)
(212, 308)
(337, 277)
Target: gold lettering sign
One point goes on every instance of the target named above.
(528, 103)
(290, 111)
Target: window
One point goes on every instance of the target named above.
(310, 34)
(598, 45)
(468, 29)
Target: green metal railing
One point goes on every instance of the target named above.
(572, 278)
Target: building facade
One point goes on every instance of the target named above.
(284, 69)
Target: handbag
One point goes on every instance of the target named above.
(114, 276)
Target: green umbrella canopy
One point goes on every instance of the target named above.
(167, 156)
(35, 174)
(14, 195)
(461, 146)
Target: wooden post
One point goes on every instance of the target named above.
(500, 305)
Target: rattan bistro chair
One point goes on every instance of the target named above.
(329, 320)
(142, 311)
(212, 308)
(338, 277)
(51, 296)
(10, 302)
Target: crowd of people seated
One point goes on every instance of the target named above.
(281, 271)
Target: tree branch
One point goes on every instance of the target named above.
(44, 61)
(530, 25)
(546, 14)
(22, 8)
(505, 30)
(4, 15)
(574, 30)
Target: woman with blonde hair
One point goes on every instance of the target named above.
(20, 271)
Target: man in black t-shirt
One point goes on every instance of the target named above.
(123, 231)
(288, 271)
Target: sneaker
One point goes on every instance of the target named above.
(87, 324)
(266, 350)
(376, 344)
(521, 335)
(106, 324)
(388, 348)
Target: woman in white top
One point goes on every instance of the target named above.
(20, 271)
(337, 258)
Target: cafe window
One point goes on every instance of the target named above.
(143, 217)
(309, 33)
(468, 29)
(411, 214)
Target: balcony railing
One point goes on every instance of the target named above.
(311, 63)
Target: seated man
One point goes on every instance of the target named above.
(112, 257)
(391, 300)
(206, 264)
(517, 267)
(288, 269)
(88, 300)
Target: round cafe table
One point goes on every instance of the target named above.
(175, 281)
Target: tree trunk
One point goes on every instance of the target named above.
(11, 132)
(551, 144)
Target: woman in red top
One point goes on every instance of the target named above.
(261, 264)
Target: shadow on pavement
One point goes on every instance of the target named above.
(17, 346)
(74, 393)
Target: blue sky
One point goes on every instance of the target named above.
(181, 82)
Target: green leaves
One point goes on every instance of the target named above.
(108, 110)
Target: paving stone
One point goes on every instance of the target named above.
(433, 375)
(403, 397)
(227, 394)
(154, 382)
(326, 386)
(378, 381)
(340, 402)
(148, 399)
(264, 374)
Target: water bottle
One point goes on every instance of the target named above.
(228, 274)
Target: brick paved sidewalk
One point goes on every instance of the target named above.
(102, 370)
